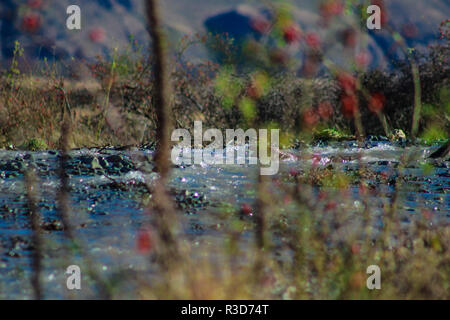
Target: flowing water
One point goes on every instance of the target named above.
(108, 200)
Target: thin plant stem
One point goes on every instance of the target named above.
(162, 91)
(64, 209)
(36, 229)
(166, 216)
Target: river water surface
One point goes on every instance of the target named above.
(108, 217)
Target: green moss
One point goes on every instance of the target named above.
(332, 135)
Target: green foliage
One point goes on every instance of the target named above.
(247, 107)
(14, 71)
(228, 86)
(331, 134)
(434, 134)
(35, 144)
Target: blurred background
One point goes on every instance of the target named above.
(40, 26)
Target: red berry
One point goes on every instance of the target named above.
(331, 205)
(31, 22)
(292, 34)
(362, 59)
(246, 210)
(97, 34)
(349, 105)
(347, 82)
(376, 103)
(255, 90)
(144, 241)
(293, 172)
(310, 117)
(331, 8)
(34, 4)
(325, 110)
(313, 40)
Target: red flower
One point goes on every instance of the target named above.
(325, 110)
(292, 34)
(97, 34)
(313, 40)
(255, 90)
(336, 7)
(362, 59)
(144, 241)
(384, 174)
(35, 4)
(310, 117)
(246, 210)
(261, 25)
(349, 105)
(331, 8)
(293, 172)
(376, 102)
(347, 82)
(331, 205)
(31, 22)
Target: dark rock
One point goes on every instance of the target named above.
(54, 225)
(114, 159)
(442, 152)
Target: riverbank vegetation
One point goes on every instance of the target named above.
(114, 97)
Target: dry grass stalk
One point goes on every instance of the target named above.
(64, 209)
(165, 217)
(162, 89)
